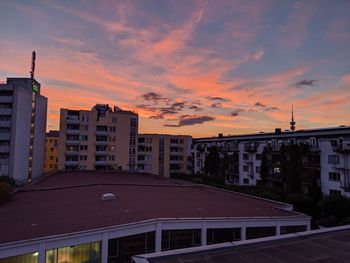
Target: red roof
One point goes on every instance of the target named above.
(70, 202)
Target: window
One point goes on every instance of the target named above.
(51, 158)
(245, 156)
(84, 127)
(334, 192)
(84, 118)
(112, 158)
(114, 119)
(245, 180)
(258, 157)
(83, 147)
(51, 149)
(333, 159)
(83, 137)
(148, 140)
(111, 148)
(276, 170)
(334, 176)
(133, 122)
(245, 168)
(83, 157)
(257, 169)
(112, 128)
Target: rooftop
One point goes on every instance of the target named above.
(324, 245)
(71, 202)
(329, 131)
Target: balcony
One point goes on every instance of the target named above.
(72, 142)
(4, 136)
(101, 142)
(71, 152)
(101, 133)
(5, 111)
(71, 163)
(5, 99)
(101, 152)
(343, 148)
(4, 149)
(250, 147)
(73, 132)
(73, 121)
(6, 124)
(345, 186)
(101, 162)
(4, 161)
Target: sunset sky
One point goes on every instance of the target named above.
(187, 67)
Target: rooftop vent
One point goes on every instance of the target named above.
(278, 131)
(107, 196)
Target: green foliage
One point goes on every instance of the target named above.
(7, 179)
(335, 210)
(5, 190)
(330, 211)
(212, 161)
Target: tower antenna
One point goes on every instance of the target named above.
(292, 123)
(33, 66)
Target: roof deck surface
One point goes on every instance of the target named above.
(328, 247)
(69, 202)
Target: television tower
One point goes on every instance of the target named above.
(292, 123)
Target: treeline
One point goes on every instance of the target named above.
(326, 211)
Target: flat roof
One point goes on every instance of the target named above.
(328, 131)
(68, 202)
(325, 245)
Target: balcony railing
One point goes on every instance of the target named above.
(71, 152)
(72, 142)
(5, 111)
(4, 149)
(5, 99)
(6, 124)
(73, 121)
(71, 163)
(4, 136)
(72, 132)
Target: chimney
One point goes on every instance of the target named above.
(278, 131)
(220, 135)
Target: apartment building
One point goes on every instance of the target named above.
(164, 154)
(22, 129)
(109, 216)
(322, 156)
(98, 139)
(51, 152)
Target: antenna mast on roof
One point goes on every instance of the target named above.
(33, 66)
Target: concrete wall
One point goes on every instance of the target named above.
(20, 135)
(39, 136)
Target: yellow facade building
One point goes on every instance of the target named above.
(51, 152)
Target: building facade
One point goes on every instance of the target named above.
(313, 157)
(51, 152)
(99, 139)
(22, 129)
(164, 155)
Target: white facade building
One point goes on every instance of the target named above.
(329, 146)
(22, 129)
